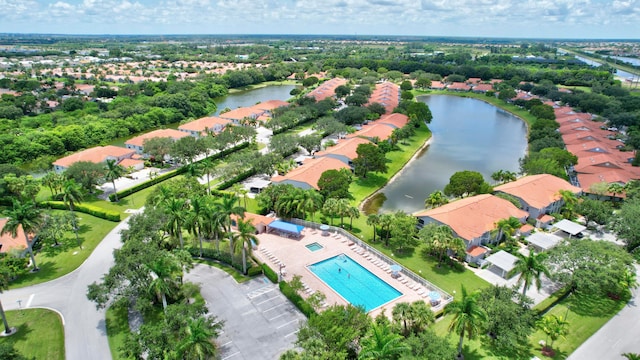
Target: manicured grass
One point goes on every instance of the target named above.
(117, 322)
(585, 316)
(40, 333)
(55, 262)
(235, 274)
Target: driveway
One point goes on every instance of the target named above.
(259, 322)
(618, 336)
(85, 335)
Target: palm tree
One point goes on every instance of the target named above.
(113, 171)
(197, 343)
(208, 167)
(226, 207)
(72, 195)
(554, 327)
(507, 227)
(373, 220)
(570, 200)
(164, 272)
(385, 223)
(352, 212)
(421, 315)
(468, 316)
(330, 208)
(628, 280)
(438, 239)
(196, 218)
(401, 313)
(311, 202)
(382, 343)
(435, 199)
(4, 284)
(176, 209)
(194, 170)
(531, 269)
(246, 239)
(53, 181)
(631, 356)
(26, 217)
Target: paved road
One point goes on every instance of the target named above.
(259, 322)
(84, 330)
(619, 335)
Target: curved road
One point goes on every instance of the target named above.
(84, 331)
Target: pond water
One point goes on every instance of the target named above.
(232, 101)
(621, 73)
(468, 134)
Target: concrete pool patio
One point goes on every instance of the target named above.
(293, 254)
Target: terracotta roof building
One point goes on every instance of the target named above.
(137, 142)
(473, 218)
(344, 151)
(8, 242)
(202, 126)
(97, 155)
(307, 175)
(538, 194)
(326, 89)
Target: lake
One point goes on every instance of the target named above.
(468, 134)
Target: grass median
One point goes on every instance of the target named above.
(40, 333)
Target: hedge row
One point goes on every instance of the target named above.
(281, 130)
(224, 258)
(84, 208)
(124, 193)
(227, 184)
(269, 273)
(296, 299)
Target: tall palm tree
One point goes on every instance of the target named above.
(401, 314)
(435, 199)
(382, 343)
(373, 220)
(421, 315)
(196, 218)
(311, 202)
(385, 223)
(330, 208)
(4, 284)
(352, 212)
(194, 170)
(228, 206)
(507, 227)
(554, 327)
(197, 343)
(468, 316)
(72, 195)
(164, 272)
(631, 356)
(531, 269)
(570, 200)
(53, 181)
(176, 209)
(246, 239)
(208, 168)
(113, 172)
(26, 217)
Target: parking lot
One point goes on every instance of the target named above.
(259, 322)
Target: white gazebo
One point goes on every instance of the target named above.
(569, 227)
(503, 262)
(543, 241)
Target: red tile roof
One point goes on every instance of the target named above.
(346, 148)
(204, 124)
(459, 86)
(270, 105)
(9, 242)
(327, 89)
(476, 251)
(397, 120)
(471, 217)
(538, 191)
(96, 155)
(381, 131)
(162, 133)
(241, 113)
(311, 170)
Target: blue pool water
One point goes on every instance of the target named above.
(314, 246)
(353, 282)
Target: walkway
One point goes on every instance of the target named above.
(259, 322)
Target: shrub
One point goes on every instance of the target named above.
(296, 299)
(213, 254)
(85, 209)
(254, 271)
(269, 273)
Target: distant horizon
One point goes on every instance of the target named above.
(321, 36)
(544, 19)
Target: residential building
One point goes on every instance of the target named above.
(327, 89)
(97, 155)
(203, 126)
(137, 143)
(538, 194)
(307, 175)
(9, 243)
(345, 150)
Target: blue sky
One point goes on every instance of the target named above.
(490, 18)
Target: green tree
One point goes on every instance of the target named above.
(594, 210)
(381, 343)
(507, 227)
(554, 327)
(208, 167)
(335, 184)
(196, 217)
(435, 199)
(25, 217)
(227, 206)
(113, 172)
(5, 276)
(467, 183)
(197, 343)
(531, 268)
(86, 173)
(53, 181)
(468, 316)
(615, 189)
(373, 220)
(164, 271)
(403, 232)
(419, 111)
(72, 195)
(54, 225)
(428, 346)
(626, 224)
(246, 240)
(176, 210)
(370, 159)
(569, 200)
(157, 148)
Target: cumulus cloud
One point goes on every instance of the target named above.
(424, 17)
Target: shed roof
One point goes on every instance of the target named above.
(503, 260)
(286, 226)
(569, 227)
(543, 241)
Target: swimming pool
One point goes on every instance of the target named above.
(314, 246)
(353, 282)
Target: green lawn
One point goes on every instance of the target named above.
(55, 262)
(40, 333)
(117, 323)
(585, 317)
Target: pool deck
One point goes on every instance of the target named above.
(293, 254)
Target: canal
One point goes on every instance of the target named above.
(468, 134)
